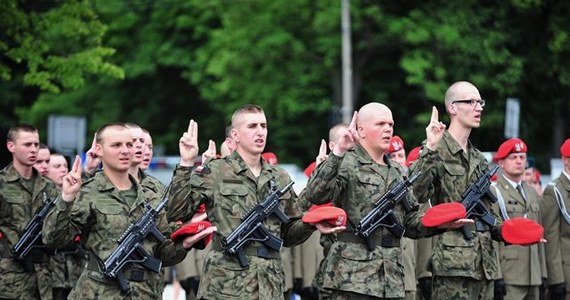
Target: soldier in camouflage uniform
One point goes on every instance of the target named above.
(100, 210)
(22, 193)
(230, 187)
(462, 269)
(65, 265)
(354, 176)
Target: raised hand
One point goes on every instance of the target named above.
(72, 181)
(435, 130)
(92, 161)
(188, 145)
(322, 153)
(348, 138)
(210, 153)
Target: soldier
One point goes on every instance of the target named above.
(523, 267)
(230, 187)
(353, 177)
(555, 200)
(42, 161)
(462, 269)
(397, 153)
(100, 210)
(57, 169)
(22, 192)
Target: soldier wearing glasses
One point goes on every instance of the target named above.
(462, 269)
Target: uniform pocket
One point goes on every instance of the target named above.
(453, 252)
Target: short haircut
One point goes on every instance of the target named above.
(334, 132)
(43, 146)
(15, 130)
(248, 108)
(229, 131)
(132, 125)
(99, 133)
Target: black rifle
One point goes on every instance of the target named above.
(130, 248)
(383, 214)
(252, 227)
(471, 200)
(31, 238)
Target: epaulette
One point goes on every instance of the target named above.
(87, 180)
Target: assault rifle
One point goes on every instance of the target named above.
(252, 227)
(32, 235)
(130, 248)
(471, 200)
(383, 215)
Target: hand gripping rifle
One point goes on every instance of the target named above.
(32, 235)
(130, 248)
(471, 200)
(383, 214)
(252, 227)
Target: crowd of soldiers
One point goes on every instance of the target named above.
(97, 200)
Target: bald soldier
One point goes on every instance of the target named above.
(462, 269)
(353, 177)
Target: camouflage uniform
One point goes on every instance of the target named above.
(18, 202)
(101, 214)
(229, 190)
(66, 267)
(354, 182)
(446, 174)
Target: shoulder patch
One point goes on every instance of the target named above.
(202, 170)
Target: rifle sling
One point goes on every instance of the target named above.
(385, 240)
(131, 273)
(250, 248)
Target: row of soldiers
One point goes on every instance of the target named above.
(93, 209)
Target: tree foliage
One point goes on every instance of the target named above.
(202, 59)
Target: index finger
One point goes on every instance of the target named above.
(212, 147)
(94, 141)
(323, 149)
(76, 165)
(354, 120)
(434, 115)
(190, 126)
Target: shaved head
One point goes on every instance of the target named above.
(458, 90)
(369, 111)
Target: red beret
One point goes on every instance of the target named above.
(270, 158)
(191, 229)
(443, 213)
(522, 231)
(565, 149)
(536, 175)
(396, 144)
(332, 215)
(201, 209)
(510, 146)
(413, 155)
(310, 168)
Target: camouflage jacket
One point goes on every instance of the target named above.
(229, 190)
(149, 182)
(446, 174)
(17, 206)
(354, 183)
(100, 215)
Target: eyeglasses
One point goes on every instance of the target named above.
(472, 102)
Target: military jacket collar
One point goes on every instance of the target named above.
(471, 157)
(104, 185)
(239, 165)
(40, 182)
(510, 191)
(366, 160)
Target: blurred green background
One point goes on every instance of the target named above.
(159, 63)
